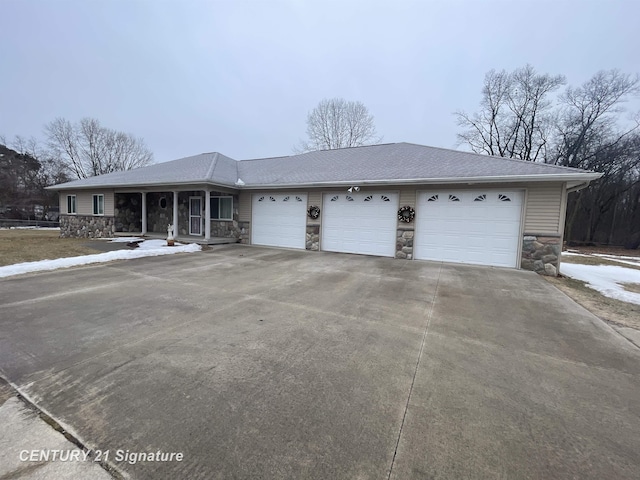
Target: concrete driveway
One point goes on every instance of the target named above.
(266, 363)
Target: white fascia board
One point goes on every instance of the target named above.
(579, 179)
(142, 186)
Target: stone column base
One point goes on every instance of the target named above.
(313, 238)
(245, 232)
(541, 254)
(404, 243)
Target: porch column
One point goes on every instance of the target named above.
(176, 230)
(144, 213)
(207, 214)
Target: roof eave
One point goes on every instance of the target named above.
(141, 185)
(581, 178)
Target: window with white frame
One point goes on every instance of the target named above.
(221, 208)
(98, 204)
(71, 204)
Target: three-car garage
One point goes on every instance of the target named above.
(481, 227)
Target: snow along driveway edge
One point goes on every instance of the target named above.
(606, 279)
(148, 248)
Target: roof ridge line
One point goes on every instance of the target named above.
(214, 163)
(325, 150)
(497, 157)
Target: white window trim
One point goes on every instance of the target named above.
(222, 219)
(75, 205)
(93, 204)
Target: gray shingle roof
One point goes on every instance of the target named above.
(402, 162)
(203, 168)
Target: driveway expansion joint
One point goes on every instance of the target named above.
(60, 428)
(415, 372)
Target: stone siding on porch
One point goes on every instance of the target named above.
(158, 216)
(128, 212)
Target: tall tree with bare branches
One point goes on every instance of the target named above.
(88, 149)
(515, 119)
(583, 127)
(338, 123)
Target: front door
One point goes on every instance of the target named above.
(195, 215)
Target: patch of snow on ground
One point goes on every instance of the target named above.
(125, 239)
(606, 279)
(574, 254)
(148, 248)
(635, 261)
(30, 228)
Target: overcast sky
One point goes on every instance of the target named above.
(240, 77)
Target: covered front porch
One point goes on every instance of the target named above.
(202, 216)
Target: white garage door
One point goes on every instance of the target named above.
(480, 226)
(360, 223)
(279, 220)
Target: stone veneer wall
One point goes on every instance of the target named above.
(245, 232)
(313, 235)
(86, 226)
(404, 242)
(541, 253)
(183, 211)
(128, 212)
(158, 218)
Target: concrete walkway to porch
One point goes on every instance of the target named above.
(182, 238)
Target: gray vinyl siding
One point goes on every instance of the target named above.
(314, 198)
(84, 201)
(544, 208)
(408, 196)
(63, 202)
(244, 207)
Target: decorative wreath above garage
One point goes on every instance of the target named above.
(313, 211)
(406, 214)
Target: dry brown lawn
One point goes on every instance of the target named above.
(611, 310)
(631, 287)
(608, 309)
(17, 246)
(607, 250)
(590, 260)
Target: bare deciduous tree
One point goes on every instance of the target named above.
(88, 149)
(589, 136)
(583, 129)
(515, 119)
(589, 114)
(338, 123)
